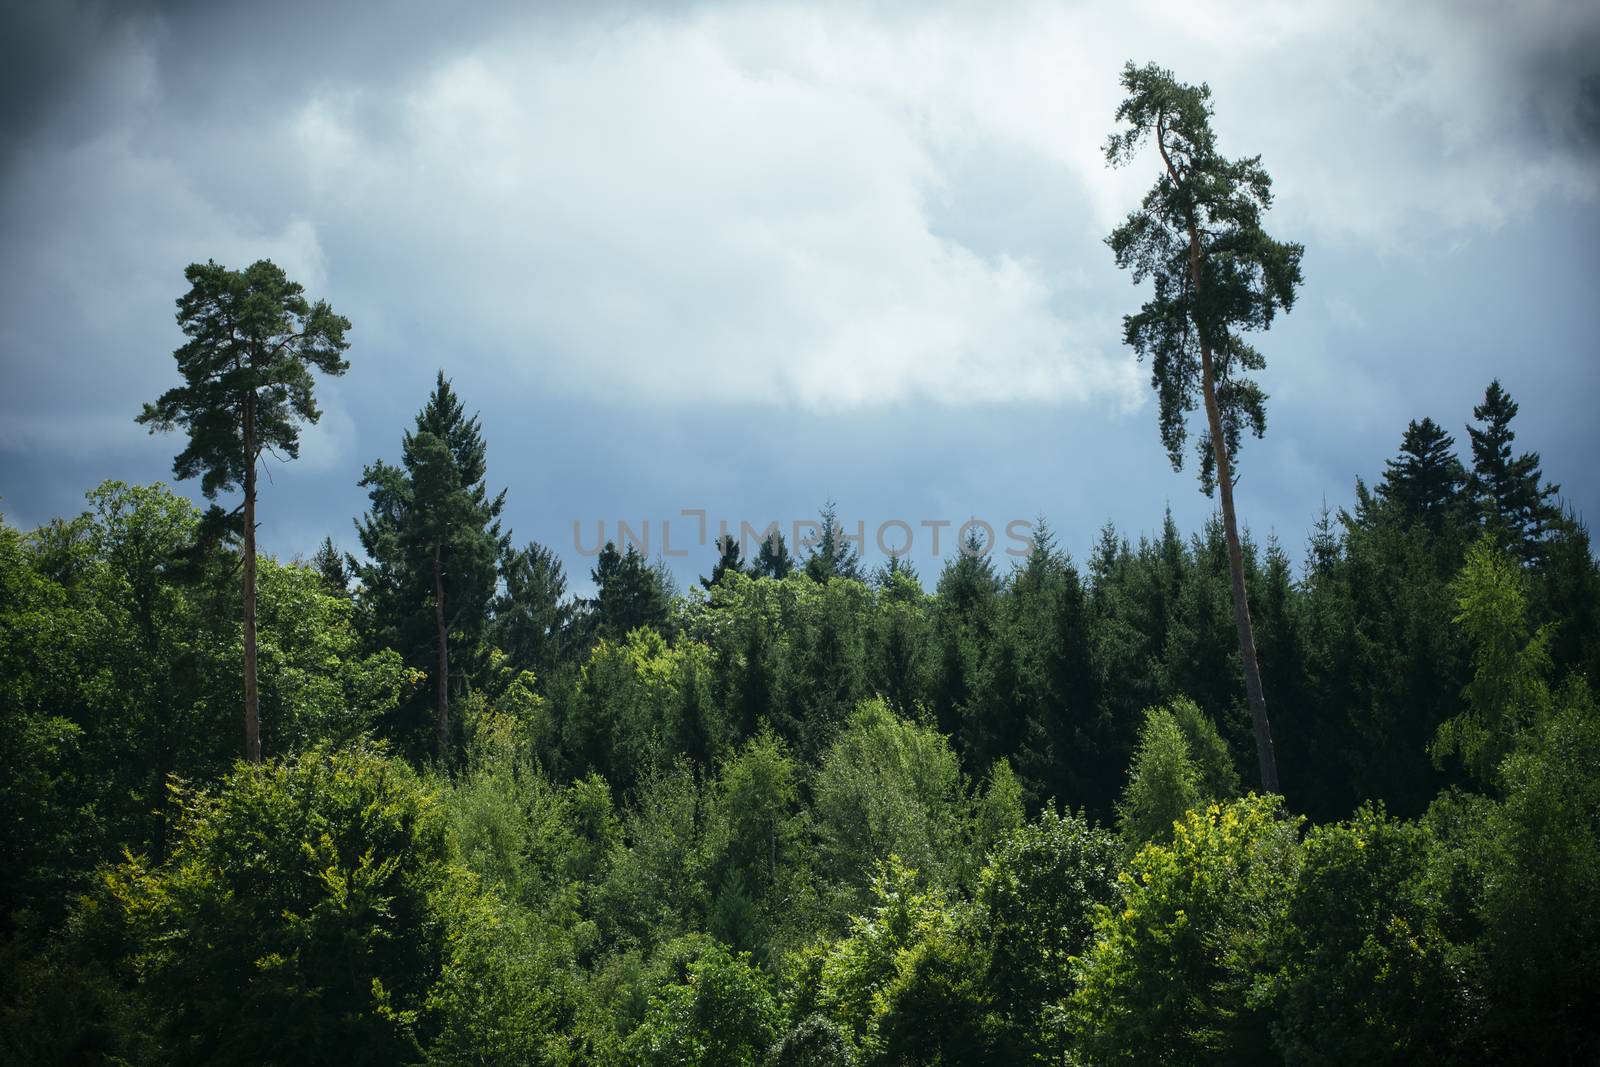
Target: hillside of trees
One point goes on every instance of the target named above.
(802, 813)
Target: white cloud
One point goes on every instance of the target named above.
(756, 203)
(662, 210)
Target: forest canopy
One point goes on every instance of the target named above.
(818, 818)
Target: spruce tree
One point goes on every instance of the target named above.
(773, 561)
(629, 593)
(729, 558)
(1507, 492)
(433, 543)
(1425, 482)
(1197, 235)
(833, 556)
(253, 341)
(532, 616)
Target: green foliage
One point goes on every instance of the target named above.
(120, 665)
(655, 886)
(1036, 900)
(629, 594)
(1197, 235)
(905, 982)
(814, 1042)
(1369, 974)
(756, 839)
(1425, 483)
(718, 1010)
(1168, 976)
(887, 786)
(676, 825)
(433, 544)
(532, 617)
(1508, 690)
(304, 913)
(253, 342)
(1164, 782)
(1540, 884)
(1509, 493)
(637, 703)
(833, 556)
(729, 559)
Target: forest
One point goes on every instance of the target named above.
(804, 811)
(804, 814)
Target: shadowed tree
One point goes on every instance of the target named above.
(729, 558)
(253, 341)
(533, 616)
(1511, 501)
(1197, 236)
(329, 563)
(629, 593)
(434, 541)
(773, 561)
(1425, 481)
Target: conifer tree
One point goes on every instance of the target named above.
(629, 593)
(891, 575)
(1197, 235)
(1425, 481)
(729, 558)
(773, 561)
(329, 563)
(833, 557)
(433, 540)
(1507, 491)
(532, 616)
(253, 341)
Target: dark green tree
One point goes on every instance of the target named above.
(833, 556)
(1507, 491)
(629, 593)
(433, 542)
(253, 342)
(773, 561)
(1426, 480)
(1036, 897)
(532, 615)
(1197, 235)
(330, 565)
(729, 558)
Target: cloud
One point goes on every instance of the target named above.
(829, 208)
(660, 209)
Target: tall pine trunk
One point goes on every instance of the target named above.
(442, 683)
(1241, 605)
(1230, 525)
(252, 722)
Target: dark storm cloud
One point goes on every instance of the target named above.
(54, 80)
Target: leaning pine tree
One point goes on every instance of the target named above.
(1197, 235)
(253, 340)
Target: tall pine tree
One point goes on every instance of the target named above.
(253, 341)
(1198, 237)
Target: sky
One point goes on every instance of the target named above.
(743, 259)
